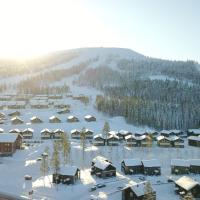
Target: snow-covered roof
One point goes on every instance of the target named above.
(75, 130)
(99, 136)
(113, 136)
(71, 117)
(166, 131)
(142, 137)
(34, 117)
(132, 162)
(194, 131)
(151, 163)
(28, 129)
(176, 131)
(101, 164)
(195, 162)
(180, 162)
(16, 118)
(45, 130)
(140, 188)
(58, 130)
(53, 117)
(194, 138)
(1, 130)
(88, 130)
(68, 170)
(88, 116)
(8, 137)
(112, 132)
(16, 130)
(186, 183)
(99, 158)
(124, 132)
(129, 136)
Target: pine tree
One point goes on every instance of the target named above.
(65, 147)
(55, 160)
(44, 167)
(148, 192)
(106, 129)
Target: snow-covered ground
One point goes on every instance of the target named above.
(24, 162)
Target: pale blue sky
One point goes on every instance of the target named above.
(160, 28)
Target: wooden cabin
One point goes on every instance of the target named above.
(67, 175)
(16, 120)
(15, 130)
(131, 166)
(88, 134)
(163, 141)
(90, 118)
(151, 167)
(176, 142)
(113, 140)
(64, 111)
(180, 166)
(130, 140)
(138, 192)
(122, 134)
(75, 134)
(72, 118)
(2, 115)
(9, 142)
(194, 141)
(193, 132)
(27, 133)
(35, 120)
(57, 134)
(195, 166)
(99, 140)
(54, 119)
(102, 168)
(186, 185)
(46, 134)
(14, 114)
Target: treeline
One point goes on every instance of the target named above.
(175, 69)
(40, 82)
(158, 104)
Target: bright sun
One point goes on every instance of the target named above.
(33, 27)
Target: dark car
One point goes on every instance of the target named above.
(100, 185)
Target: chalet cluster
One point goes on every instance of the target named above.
(136, 166)
(181, 166)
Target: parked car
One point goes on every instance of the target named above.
(93, 188)
(100, 185)
(28, 177)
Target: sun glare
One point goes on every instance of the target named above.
(36, 27)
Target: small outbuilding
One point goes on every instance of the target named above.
(99, 140)
(35, 120)
(16, 120)
(54, 119)
(67, 175)
(72, 118)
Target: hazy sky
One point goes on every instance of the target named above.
(159, 28)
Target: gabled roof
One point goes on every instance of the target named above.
(16, 118)
(132, 162)
(99, 136)
(101, 164)
(196, 138)
(28, 129)
(186, 183)
(35, 117)
(139, 188)
(97, 158)
(58, 130)
(8, 137)
(75, 130)
(53, 117)
(71, 117)
(45, 130)
(124, 132)
(194, 131)
(180, 163)
(88, 116)
(151, 163)
(16, 130)
(195, 162)
(113, 136)
(68, 170)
